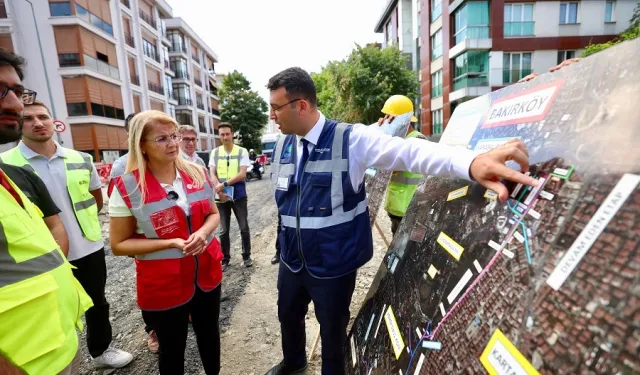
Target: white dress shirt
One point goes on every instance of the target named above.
(378, 150)
(53, 173)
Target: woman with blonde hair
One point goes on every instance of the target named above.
(162, 213)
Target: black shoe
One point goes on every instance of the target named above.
(275, 259)
(225, 265)
(282, 369)
(247, 262)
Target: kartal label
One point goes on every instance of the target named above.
(501, 357)
(528, 106)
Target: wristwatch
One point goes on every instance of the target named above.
(225, 184)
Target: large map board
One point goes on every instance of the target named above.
(545, 283)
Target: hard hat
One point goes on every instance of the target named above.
(397, 105)
(251, 150)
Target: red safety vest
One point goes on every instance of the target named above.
(166, 278)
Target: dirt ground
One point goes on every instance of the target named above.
(250, 331)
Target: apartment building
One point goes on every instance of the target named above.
(463, 49)
(96, 61)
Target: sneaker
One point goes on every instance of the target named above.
(225, 265)
(282, 369)
(113, 358)
(152, 342)
(247, 262)
(275, 259)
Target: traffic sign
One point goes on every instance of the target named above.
(59, 126)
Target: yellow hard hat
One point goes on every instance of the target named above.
(397, 105)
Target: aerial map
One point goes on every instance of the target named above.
(546, 282)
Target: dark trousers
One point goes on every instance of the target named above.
(278, 230)
(331, 298)
(172, 326)
(395, 223)
(239, 208)
(91, 272)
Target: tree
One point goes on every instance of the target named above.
(243, 108)
(632, 32)
(355, 89)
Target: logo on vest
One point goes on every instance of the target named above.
(287, 152)
(321, 150)
(165, 221)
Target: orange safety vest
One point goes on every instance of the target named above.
(166, 279)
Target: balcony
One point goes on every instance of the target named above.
(69, 60)
(66, 60)
(185, 101)
(125, 3)
(155, 88)
(514, 75)
(148, 19)
(471, 38)
(470, 85)
(182, 74)
(197, 81)
(512, 29)
(184, 119)
(471, 32)
(153, 55)
(174, 95)
(129, 40)
(200, 106)
(213, 90)
(178, 47)
(215, 112)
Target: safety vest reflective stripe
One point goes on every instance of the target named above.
(402, 179)
(12, 272)
(336, 166)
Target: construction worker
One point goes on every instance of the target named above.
(41, 302)
(402, 184)
(228, 167)
(318, 172)
(74, 185)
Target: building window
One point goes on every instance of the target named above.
(565, 55)
(106, 111)
(77, 109)
(150, 50)
(436, 45)
(436, 9)
(184, 117)
(172, 110)
(471, 69)
(518, 20)
(388, 32)
(609, 11)
(436, 121)
(436, 84)
(568, 13)
(177, 41)
(472, 21)
(168, 87)
(182, 93)
(69, 59)
(60, 9)
(517, 65)
(94, 20)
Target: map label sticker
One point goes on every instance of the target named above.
(518, 187)
(442, 310)
(494, 245)
(458, 193)
(501, 357)
(433, 345)
(561, 172)
(518, 236)
(353, 352)
(508, 253)
(477, 265)
(535, 190)
(490, 194)
(419, 365)
(593, 229)
(380, 321)
(535, 214)
(373, 316)
(459, 286)
(546, 195)
(432, 271)
(451, 246)
(418, 332)
(394, 332)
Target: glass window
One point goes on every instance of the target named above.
(471, 69)
(436, 44)
(436, 9)
(518, 19)
(77, 109)
(60, 9)
(436, 84)
(609, 11)
(109, 112)
(97, 109)
(120, 114)
(568, 13)
(69, 59)
(82, 13)
(517, 65)
(389, 36)
(472, 21)
(436, 121)
(565, 55)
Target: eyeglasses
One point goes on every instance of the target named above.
(278, 107)
(189, 140)
(27, 96)
(163, 140)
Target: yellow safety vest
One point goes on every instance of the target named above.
(78, 170)
(402, 187)
(227, 165)
(41, 303)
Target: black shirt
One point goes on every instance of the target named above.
(32, 187)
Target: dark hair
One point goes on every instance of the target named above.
(8, 58)
(225, 125)
(127, 120)
(296, 82)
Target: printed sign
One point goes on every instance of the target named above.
(59, 126)
(501, 357)
(394, 332)
(593, 229)
(490, 194)
(458, 193)
(450, 245)
(528, 106)
(432, 271)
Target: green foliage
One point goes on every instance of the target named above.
(632, 32)
(243, 108)
(355, 89)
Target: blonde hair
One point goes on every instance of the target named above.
(138, 127)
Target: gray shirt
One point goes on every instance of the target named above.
(53, 173)
(118, 166)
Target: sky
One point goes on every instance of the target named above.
(259, 38)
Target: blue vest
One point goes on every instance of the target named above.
(325, 223)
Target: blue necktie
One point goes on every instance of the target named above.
(303, 160)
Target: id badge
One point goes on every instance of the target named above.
(283, 183)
